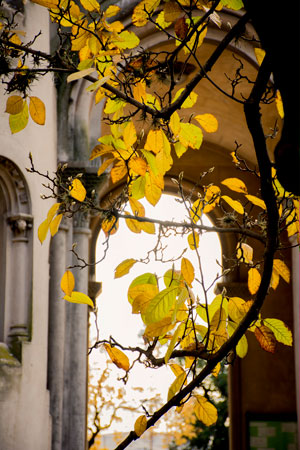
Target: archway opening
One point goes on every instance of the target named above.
(156, 254)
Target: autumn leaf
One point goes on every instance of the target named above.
(208, 122)
(187, 270)
(235, 204)
(79, 297)
(67, 283)
(129, 135)
(77, 190)
(160, 328)
(43, 230)
(235, 184)
(46, 3)
(176, 385)
(256, 201)
(238, 308)
(80, 74)
(118, 357)
(266, 338)
(245, 252)
(279, 104)
(119, 171)
(133, 224)
(259, 54)
(110, 226)
(140, 425)
(254, 280)
(205, 411)
(14, 104)
(282, 269)
(181, 28)
(142, 11)
(242, 346)
(193, 240)
(54, 224)
(124, 267)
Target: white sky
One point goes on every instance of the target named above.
(114, 311)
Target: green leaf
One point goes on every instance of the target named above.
(160, 305)
(18, 122)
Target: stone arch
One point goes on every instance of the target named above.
(16, 256)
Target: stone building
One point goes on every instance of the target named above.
(43, 350)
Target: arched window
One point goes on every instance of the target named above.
(15, 256)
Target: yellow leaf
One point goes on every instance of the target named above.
(216, 370)
(139, 92)
(124, 267)
(129, 134)
(176, 369)
(175, 122)
(260, 54)
(208, 122)
(80, 74)
(211, 199)
(190, 135)
(119, 171)
(205, 411)
(142, 11)
(140, 425)
(242, 345)
(179, 332)
(136, 207)
(281, 331)
(279, 104)
(161, 21)
(43, 230)
(189, 101)
(67, 283)
(193, 240)
(37, 110)
(256, 201)
(105, 165)
(235, 184)
(245, 252)
(14, 104)
(282, 269)
(112, 10)
(79, 297)
(238, 308)
(274, 280)
(138, 165)
(176, 385)
(46, 3)
(90, 5)
(54, 225)
(18, 122)
(110, 226)
(52, 211)
(140, 304)
(77, 190)
(148, 227)
(254, 280)
(144, 288)
(118, 357)
(152, 190)
(187, 270)
(133, 225)
(160, 328)
(155, 141)
(235, 204)
(126, 40)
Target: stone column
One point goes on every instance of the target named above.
(58, 264)
(76, 374)
(20, 281)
